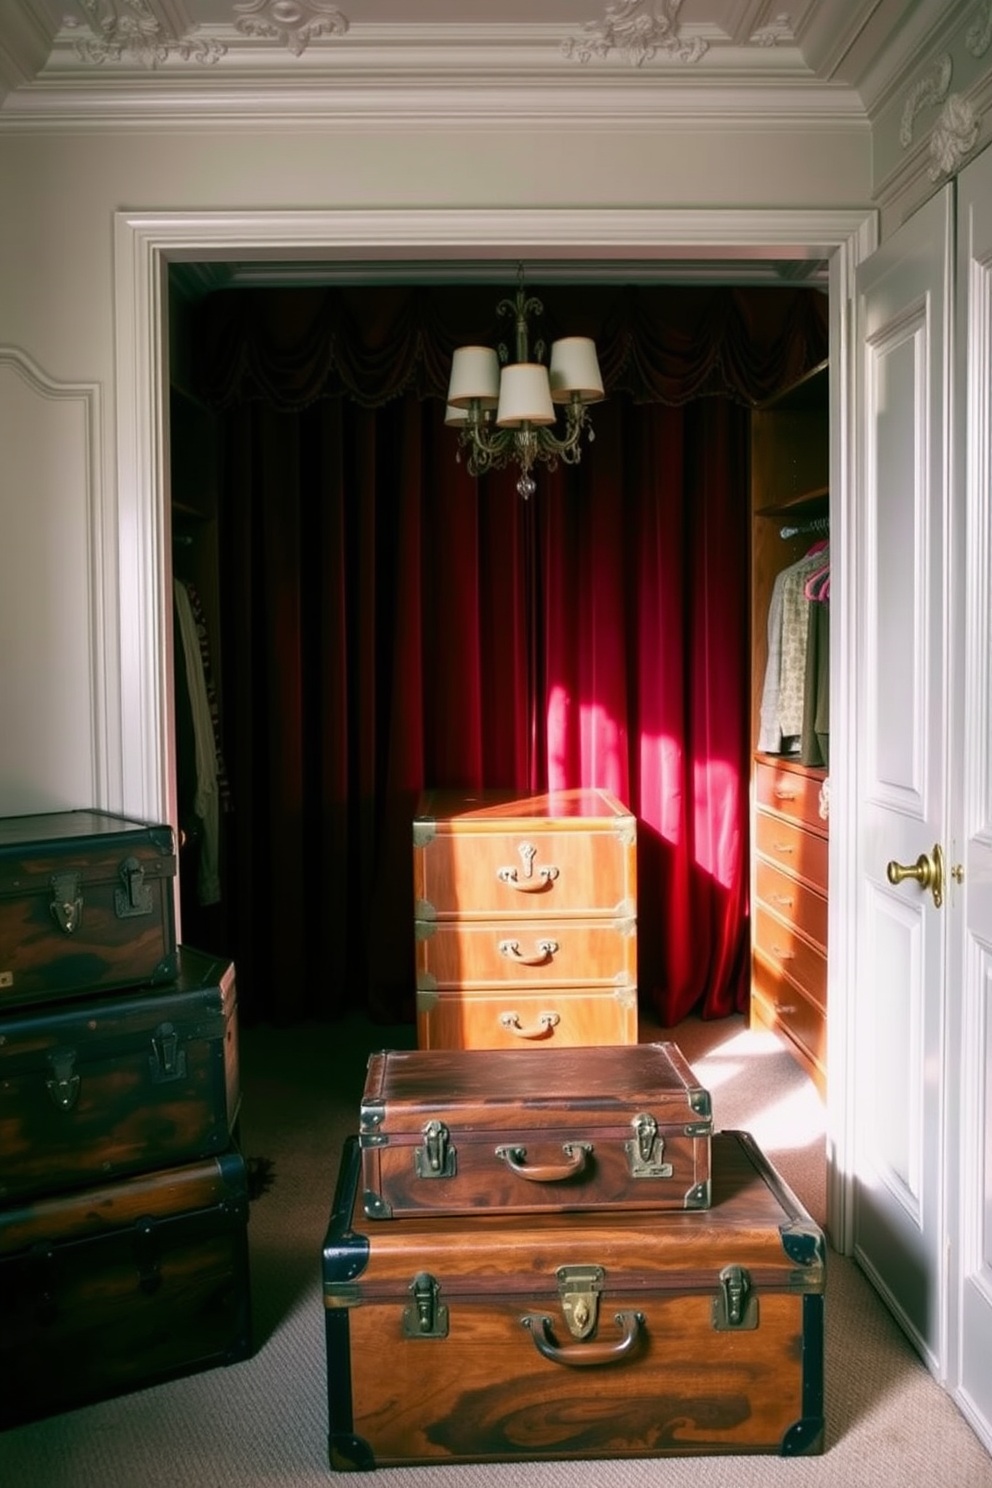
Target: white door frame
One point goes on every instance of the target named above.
(137, 702)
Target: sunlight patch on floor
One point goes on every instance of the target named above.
(735, 1057)
(794, 1122)
(782, 1113)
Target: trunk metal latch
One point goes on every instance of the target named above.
(436, 1158)
(67, 901)
(735, 1306)
(167, 1061)
(426, 1317)
(63, 1086)
(579, 1288)
(134, 897)
(646, 1149)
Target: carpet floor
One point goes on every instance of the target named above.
(263, 1421)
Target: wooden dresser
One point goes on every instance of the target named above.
(525, 919)
(790, 515)
(789, 933)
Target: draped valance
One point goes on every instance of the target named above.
(664, 344)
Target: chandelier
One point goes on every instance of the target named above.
(507, 414)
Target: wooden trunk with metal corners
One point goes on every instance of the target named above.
(460, 1131)
(113, 1288)
(591, 1335)
(124, 1083)
(86, 905)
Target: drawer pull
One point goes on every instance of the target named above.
(545, 950)
(783, 847)
(782, 954)
(545, 1023)
(785, 899)
(788, 1008)
(528, 884)
(783, 793)
(575, 1154)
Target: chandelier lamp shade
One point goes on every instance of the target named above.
(505, 411)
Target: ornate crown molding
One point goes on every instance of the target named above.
(930, 90)
(979, 36)
(127, 31)
(776, 32)
(638, 31)
(953, 137)
(294, 23)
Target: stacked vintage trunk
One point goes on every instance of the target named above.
(123, 1196)
(548, 1253)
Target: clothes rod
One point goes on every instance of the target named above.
(815, 524)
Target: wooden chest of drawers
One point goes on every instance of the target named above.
(525, 919)
(789, 922)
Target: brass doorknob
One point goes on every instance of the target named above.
(927, 871)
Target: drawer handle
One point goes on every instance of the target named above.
(545, 878)
(539, 1328)
(576, 1154)
(785, 1007)
(528, 884)
(545, 1023)
(545, 950)
(785, 899)
(783, 955)
(783, 847)
(782, 793)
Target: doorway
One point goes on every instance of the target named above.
(344, 514)
(145, 248)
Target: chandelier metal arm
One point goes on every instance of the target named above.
(520, 307)
(492, 449)
(508, 414)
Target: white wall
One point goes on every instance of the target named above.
(61, 510)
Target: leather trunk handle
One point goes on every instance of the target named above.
(576, 1156)
(579, 1354)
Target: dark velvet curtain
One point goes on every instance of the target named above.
(390, 622)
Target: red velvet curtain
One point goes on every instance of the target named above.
(389, 622)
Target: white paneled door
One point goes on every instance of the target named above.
(969, 1147)
(904, 905)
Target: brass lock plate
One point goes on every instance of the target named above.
(578, 1290)
(646, 1149)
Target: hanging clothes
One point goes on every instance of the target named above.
(783, 698)
(206, 803)
(814, 746)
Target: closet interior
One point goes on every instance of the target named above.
(788, 829)
(790, 604)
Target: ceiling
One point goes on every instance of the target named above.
(75, 65)
(76, 60)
